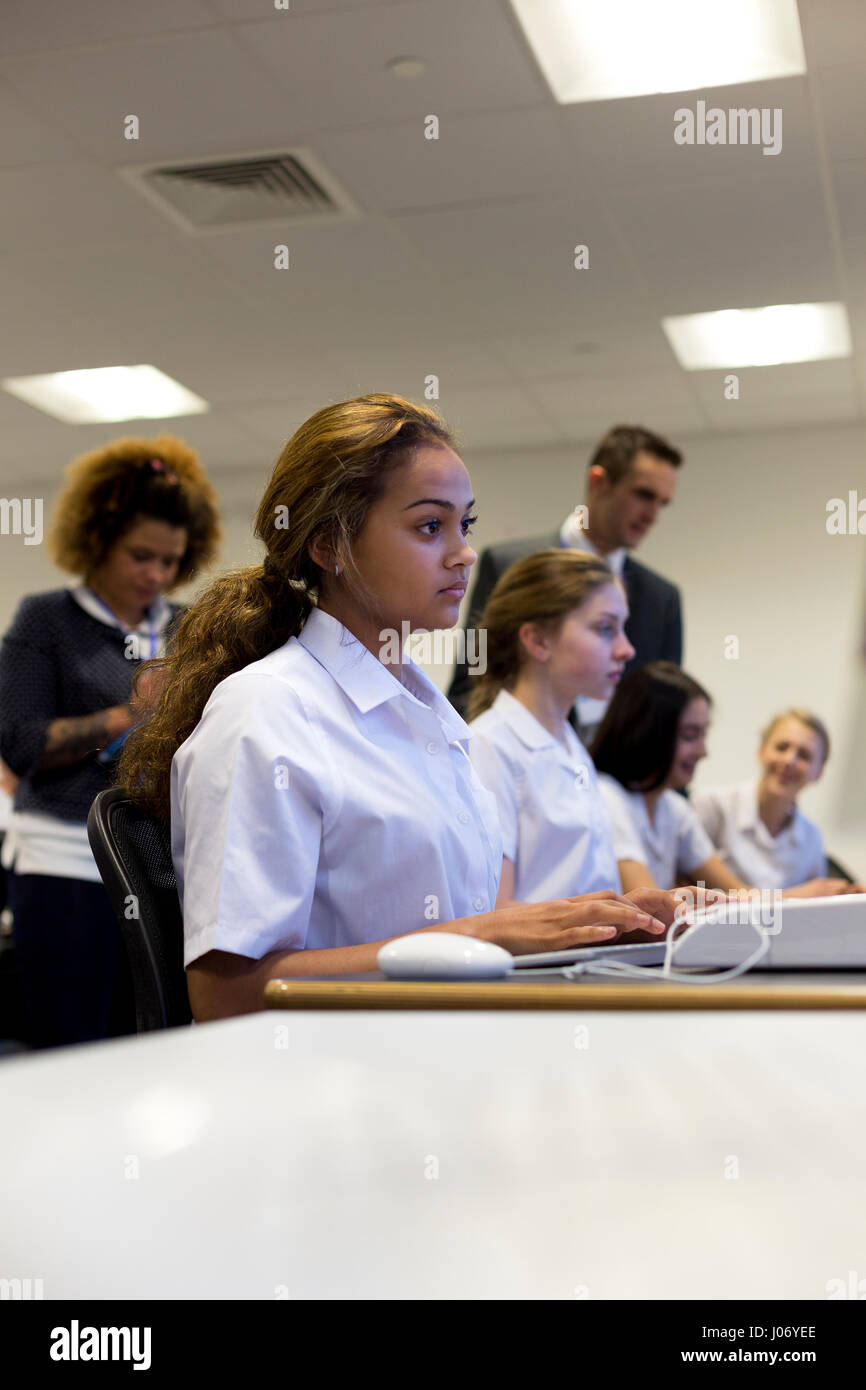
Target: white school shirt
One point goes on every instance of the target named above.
(555, 828)
(733, 822)
(673, 843)
(319, 803)
(589, 711)
(35, 843)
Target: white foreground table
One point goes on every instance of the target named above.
(613, 1155)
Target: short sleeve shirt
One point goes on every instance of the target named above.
(321, 802)
(731, 818)
(555, 827)
(673, 843)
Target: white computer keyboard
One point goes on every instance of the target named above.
(803, 934)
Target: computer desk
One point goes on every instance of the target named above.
(578, 1153)
(755, 990)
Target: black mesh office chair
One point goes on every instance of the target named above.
(133, 855)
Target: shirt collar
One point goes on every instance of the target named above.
(523, 723)
(365, 679)
(749, 817)
(156, 616)
(573, 537)
(747, 806)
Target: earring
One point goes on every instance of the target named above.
(336, 569)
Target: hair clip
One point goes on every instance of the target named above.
(159, 467)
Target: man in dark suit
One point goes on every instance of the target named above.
(631, 476)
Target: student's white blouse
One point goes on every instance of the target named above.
(731, 818)
(555, 827)
(673, 843)
(319, 802)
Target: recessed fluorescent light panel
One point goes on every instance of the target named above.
(107, 393)
(759, 337)
(594, 50)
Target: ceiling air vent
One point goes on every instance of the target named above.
(241, 191)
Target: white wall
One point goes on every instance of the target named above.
(745, 540)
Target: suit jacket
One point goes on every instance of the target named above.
(654, 625)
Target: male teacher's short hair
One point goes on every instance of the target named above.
(620, 446)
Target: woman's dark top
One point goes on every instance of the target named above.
(57, 661)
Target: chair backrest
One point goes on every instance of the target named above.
(837, 870)
(133, 855)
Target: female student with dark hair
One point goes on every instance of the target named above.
(133, 521)
(646, 750)
(319, 786)
(554, 629)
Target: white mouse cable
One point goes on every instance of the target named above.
(648, 972)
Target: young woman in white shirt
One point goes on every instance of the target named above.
(646, 751)
(321, 796)
(756, 826)
(554, 630)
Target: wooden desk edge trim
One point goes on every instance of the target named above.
(319, 994)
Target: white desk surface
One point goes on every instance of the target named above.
(593, 1171)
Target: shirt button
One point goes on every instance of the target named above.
(432, 747)
(463, 817)
(478, 903)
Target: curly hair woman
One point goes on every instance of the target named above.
(134, 520)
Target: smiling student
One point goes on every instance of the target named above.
(320, 790)
(756, 826)
(554, 626)
(646, 751)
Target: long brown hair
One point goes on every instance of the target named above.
(327, 477)
(542, 588)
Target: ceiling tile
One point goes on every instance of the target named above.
(589, 348)
(28, 136)
(461, 262)
(512, 266)
(343, 269)
(71, 204)
(194, 94)
(501, 155)
(832, 31)
(496, 416)
(55, 24)
(796, 393)
(849, 182)
(840, 90)
(729, 243)
(254, 9)
(633, 139)
(333, 63)
(585, 407)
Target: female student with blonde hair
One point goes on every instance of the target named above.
(554, 629)
(321, 795)
(756, 826)
(646, 750)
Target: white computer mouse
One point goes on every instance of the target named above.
(443, 955)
